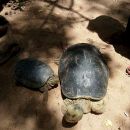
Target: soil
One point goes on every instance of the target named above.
(44, 29)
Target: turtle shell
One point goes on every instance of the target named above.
(32, 73)
(83, 72)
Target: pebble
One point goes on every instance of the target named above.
(126, 114)
(108, 123)
(6, 13)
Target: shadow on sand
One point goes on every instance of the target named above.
(111, 31)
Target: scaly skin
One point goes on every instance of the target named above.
(51, 82)
(76, 108)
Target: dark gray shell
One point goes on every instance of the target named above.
(32, 73)
(83, 72)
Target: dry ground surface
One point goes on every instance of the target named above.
(44, 29)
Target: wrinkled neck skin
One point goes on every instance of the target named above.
(73, 113)
(52, 81)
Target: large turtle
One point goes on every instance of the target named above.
(35, 74)
(83, 75)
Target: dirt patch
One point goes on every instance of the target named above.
(44, 29)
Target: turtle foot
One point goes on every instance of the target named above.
(98, 107)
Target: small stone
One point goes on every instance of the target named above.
(108, 123)
(119, 128)
(14, 8)
(6, 13)
(126, 114)
(10, 13)
(9, 5)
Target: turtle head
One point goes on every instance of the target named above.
(53, 80)
(73, 113)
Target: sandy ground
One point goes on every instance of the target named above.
(44, 29)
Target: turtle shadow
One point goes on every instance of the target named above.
(42, 35)
(67, 124)
(8, 48)
(4, 26)
(1, 8)
(8, 51)
(111, 31)
(18, 84)
(20, 106)
(106, 27)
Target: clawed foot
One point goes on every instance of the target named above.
(98, 107)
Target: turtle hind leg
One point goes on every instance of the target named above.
(66, 103)
(98, 107)
(57, 60)
(85, 104)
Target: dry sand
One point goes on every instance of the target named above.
(44, 29)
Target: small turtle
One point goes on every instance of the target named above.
(83, 76)
(35, 74)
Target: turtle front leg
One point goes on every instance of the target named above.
(85, 104)
(66, 103)
(98, 107)
(43, 89)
